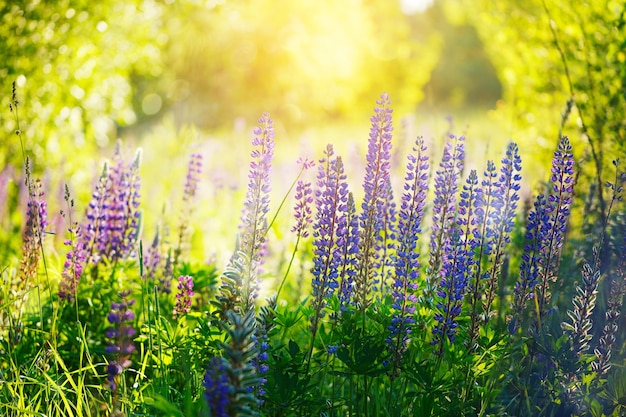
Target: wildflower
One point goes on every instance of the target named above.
(183, 298)
(34, 232)
(458, 266)
(407, 255)
(330, 231)
(375, 203)
(120, 334)
(113, 216)
(216, 387)
(444, 206)
(253, 218)
(194, 169)
(73, 265)
(529, 267)
(302, 209)
(501, 220)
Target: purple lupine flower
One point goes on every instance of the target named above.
(459, 265)
(253, 218)
(217, 387)
(554, 223)
(73, 265)
(330, 230)
(388, 242)
(302, 209)
(407, 255)
(113, 215)
(184, 295)
(120, 335)
(348, 241)
(501, 220)
(194, 170)
(34, 232)
(444, 206)
(529, 267)
(374, 206)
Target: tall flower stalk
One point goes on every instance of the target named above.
(375, 203)
(444, 207)
(330, 234)
(407, 259)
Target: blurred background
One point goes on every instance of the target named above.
(180, 76)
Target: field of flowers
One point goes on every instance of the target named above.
(440, 291)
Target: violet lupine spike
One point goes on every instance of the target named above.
(194, 170)
(94, 238)
(444, 207)
(217, 387)
(554, 224)
(486, 203)
(120, 336)
(73, 265)
(388, 242)
(530, 266)
(349, 245)
(33, 236)
(256, 206)
(372, 218)
(407, 254)
(329, 231)
(451, 291)
(184, 296)
(302, 209)
(502, 220)
(458, 266)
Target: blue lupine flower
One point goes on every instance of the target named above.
(120, 335)
(330, 229)
(375, 202)
(407, 255)
(217, 387)
(444, 206)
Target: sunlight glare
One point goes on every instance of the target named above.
(410, 7)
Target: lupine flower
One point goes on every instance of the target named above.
(194, 170)
(458, 266)
(388, 243)
(34, 232)
(113, 216)
(501, 221)
(450, 292)
(529, 267)
(348, 241)
(330, 231)
(302, 209)
(444, 206)
(375, 202)
(557, 211)
(73, 265)
(253, 218)
(216, 387)
(120, 335)
(407, 255)
(184, 295)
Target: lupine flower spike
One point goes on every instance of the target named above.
(253, 219)
(184, 296)
(444, 207)
(375, 203)
(120, 345)
(330, 232)
(458, 267)
(407, 259)
(194, 170)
